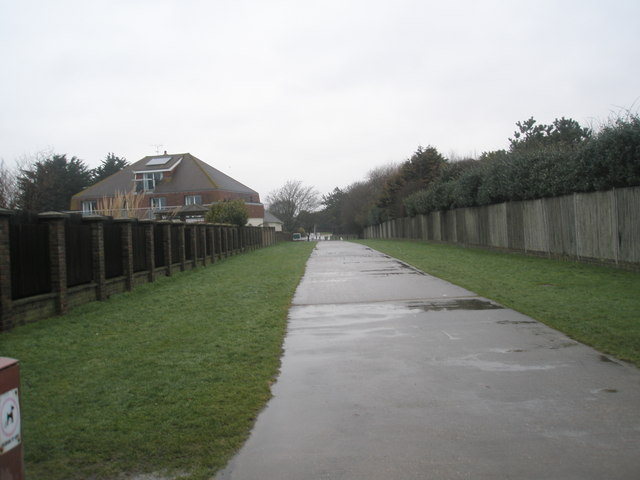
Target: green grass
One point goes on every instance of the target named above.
(168, 378)
(597, 305)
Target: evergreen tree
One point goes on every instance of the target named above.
(110, 165)
(49, 184)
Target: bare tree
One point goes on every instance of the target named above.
(8, 186)
(290, 200)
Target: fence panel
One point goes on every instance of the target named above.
(536, 233)
(607, 225)
(79, 252)
(595, 225)
(113, 262)
(461, 228)
(628, 207)
(139, 247)
(175, 243)
(484, 232)
(29, 256)
(497, 221)
(449, 226)
(158, 246)
(561, 221)
(188, 246)
(515, 225)
(436, 226)
(471, 225)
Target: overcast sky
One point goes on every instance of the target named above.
(318, 91)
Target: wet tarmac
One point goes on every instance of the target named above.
(389, 373)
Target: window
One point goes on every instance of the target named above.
(158, 203)
(89, 208)
(193, 200)
(148, 181)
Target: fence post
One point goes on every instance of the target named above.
(97, 255)
(182, 250)
(58, 256)
(6, 303)
(127, 251)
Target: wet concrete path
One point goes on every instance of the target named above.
(389, 373)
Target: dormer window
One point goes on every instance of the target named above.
(148, 181)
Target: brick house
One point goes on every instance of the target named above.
(179, 185)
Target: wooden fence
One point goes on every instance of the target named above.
(595, 227)
(52, 261)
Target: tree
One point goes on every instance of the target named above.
(414, 174)
(110, 165)
(290, 200)
(562, 133)
(234, 212)
(333, 204)
(350, 209)
(8, 187)
(50, 183)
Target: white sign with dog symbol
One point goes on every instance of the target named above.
(9, 421)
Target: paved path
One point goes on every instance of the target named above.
(392, 374)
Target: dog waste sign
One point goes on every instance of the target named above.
(10, 421)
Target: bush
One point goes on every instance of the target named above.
(234, 212)
(612, 160)
(608, 159)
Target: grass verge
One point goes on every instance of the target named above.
(596, 305)
(166, 379)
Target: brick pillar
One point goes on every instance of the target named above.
(6, 303)
(97, 254)
(57, 254)
(127, 251)
(149, 248)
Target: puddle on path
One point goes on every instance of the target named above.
(454, 304)
(515, 322)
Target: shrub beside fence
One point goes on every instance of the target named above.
(601, 227)
(52, 261)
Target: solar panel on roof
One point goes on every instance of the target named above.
(158, 161)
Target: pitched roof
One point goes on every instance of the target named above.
(271, 218)
(189, 174)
